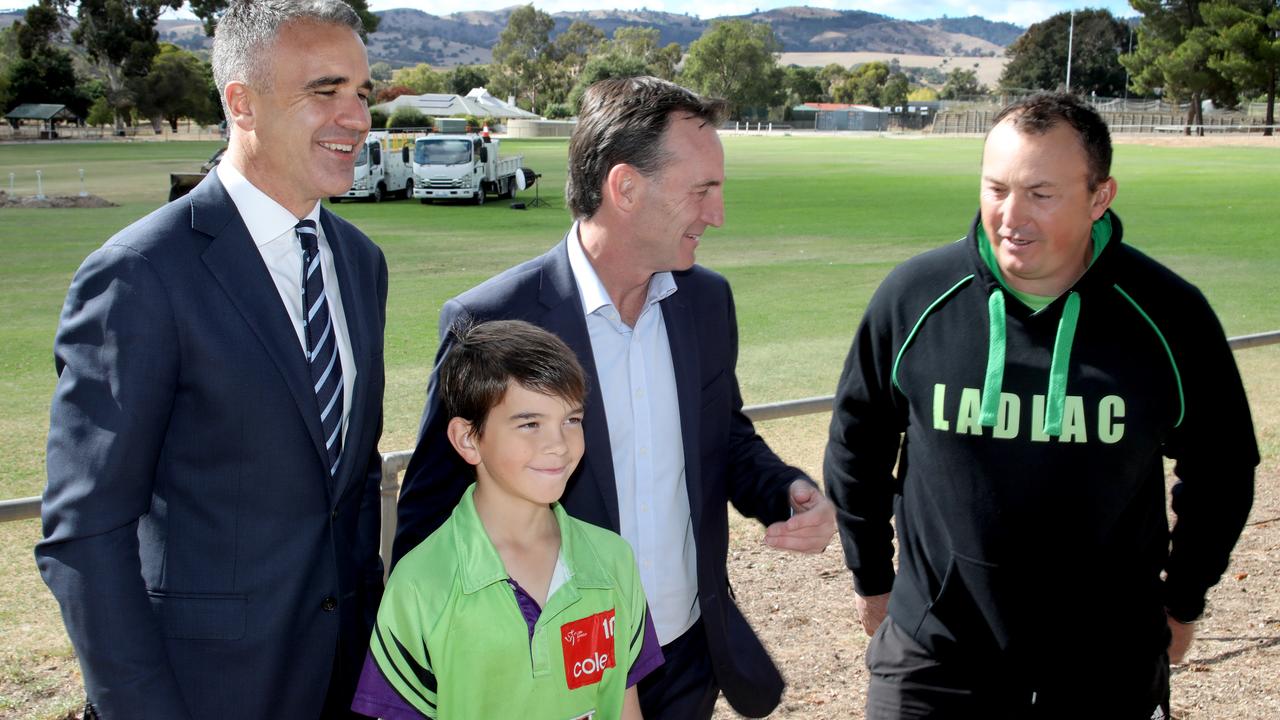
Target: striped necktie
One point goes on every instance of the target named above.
(322, 343)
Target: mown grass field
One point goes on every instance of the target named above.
(813, 225)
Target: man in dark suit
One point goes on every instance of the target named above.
(667, 444)
(211, 514)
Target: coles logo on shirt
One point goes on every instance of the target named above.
(588, 649)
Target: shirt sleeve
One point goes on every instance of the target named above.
(645, 652)
(376, 697)
(863, 446)
(1215, 452)
(398, 682)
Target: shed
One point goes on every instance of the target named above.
(844, 116)
(43, 113)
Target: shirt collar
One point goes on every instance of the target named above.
(591, 290)
(265, 218)
(480, 565)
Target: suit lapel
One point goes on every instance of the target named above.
(353, 309)
(558, 292)
(237, 265)
(681, 335)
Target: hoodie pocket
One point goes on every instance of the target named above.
(973, 611)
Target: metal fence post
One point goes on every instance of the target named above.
(392, 465)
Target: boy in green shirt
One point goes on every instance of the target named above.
(512, 607)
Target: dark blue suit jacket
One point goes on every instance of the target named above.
(725, 460)
(206, 565)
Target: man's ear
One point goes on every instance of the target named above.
(463, 440)
(1103, 196)
(240, 101)
(622, 187)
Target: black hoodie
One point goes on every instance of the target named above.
(1030, 495)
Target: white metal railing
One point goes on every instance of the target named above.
(394, 463)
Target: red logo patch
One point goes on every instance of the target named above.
(588, 649)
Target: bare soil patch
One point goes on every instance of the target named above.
(53, 201)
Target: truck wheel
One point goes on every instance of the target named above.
(479, 198)
(408, 188)
(508, 189)
(378, 192)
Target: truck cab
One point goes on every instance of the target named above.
(462, 166)
(383, 168)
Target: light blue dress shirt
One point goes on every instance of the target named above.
(638, 383)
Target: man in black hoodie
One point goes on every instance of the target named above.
(1028, 380)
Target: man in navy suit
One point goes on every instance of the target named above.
(211, 514)
(667, 444)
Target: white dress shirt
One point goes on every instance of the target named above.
(638, 383)
(271, 227)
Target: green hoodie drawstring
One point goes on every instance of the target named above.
(1056, 396)
(995, 360)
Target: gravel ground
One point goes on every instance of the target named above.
(802, 607)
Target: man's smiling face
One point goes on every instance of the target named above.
(683, 198)
(309, 124)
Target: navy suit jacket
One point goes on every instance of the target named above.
(206, 564)
(725, 460)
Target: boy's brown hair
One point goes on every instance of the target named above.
(486, 357)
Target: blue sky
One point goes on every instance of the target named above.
(1021, 12)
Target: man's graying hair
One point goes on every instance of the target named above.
(621, 120)
(247, 31)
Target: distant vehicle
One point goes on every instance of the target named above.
(384, 167)
(182, 183)
(464, 166)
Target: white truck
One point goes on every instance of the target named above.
(384, 167)
(464, 166)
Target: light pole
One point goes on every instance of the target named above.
(1071, 34)
(1126, 69)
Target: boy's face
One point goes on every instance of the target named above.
(530, 446)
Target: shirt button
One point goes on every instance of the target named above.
(644, 452)
(644, 508)
(329, 604)
(640, 393)
(648, 564)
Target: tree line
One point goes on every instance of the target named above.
(117, 71)
(1183, 51)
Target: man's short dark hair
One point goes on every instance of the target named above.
(1042, 112)
(246, 33)
(621, 120)
(486, 358)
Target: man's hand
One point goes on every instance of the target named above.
(871, 611)
(812, 523)
(1180, 642)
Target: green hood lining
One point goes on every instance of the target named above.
(1100, 235)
